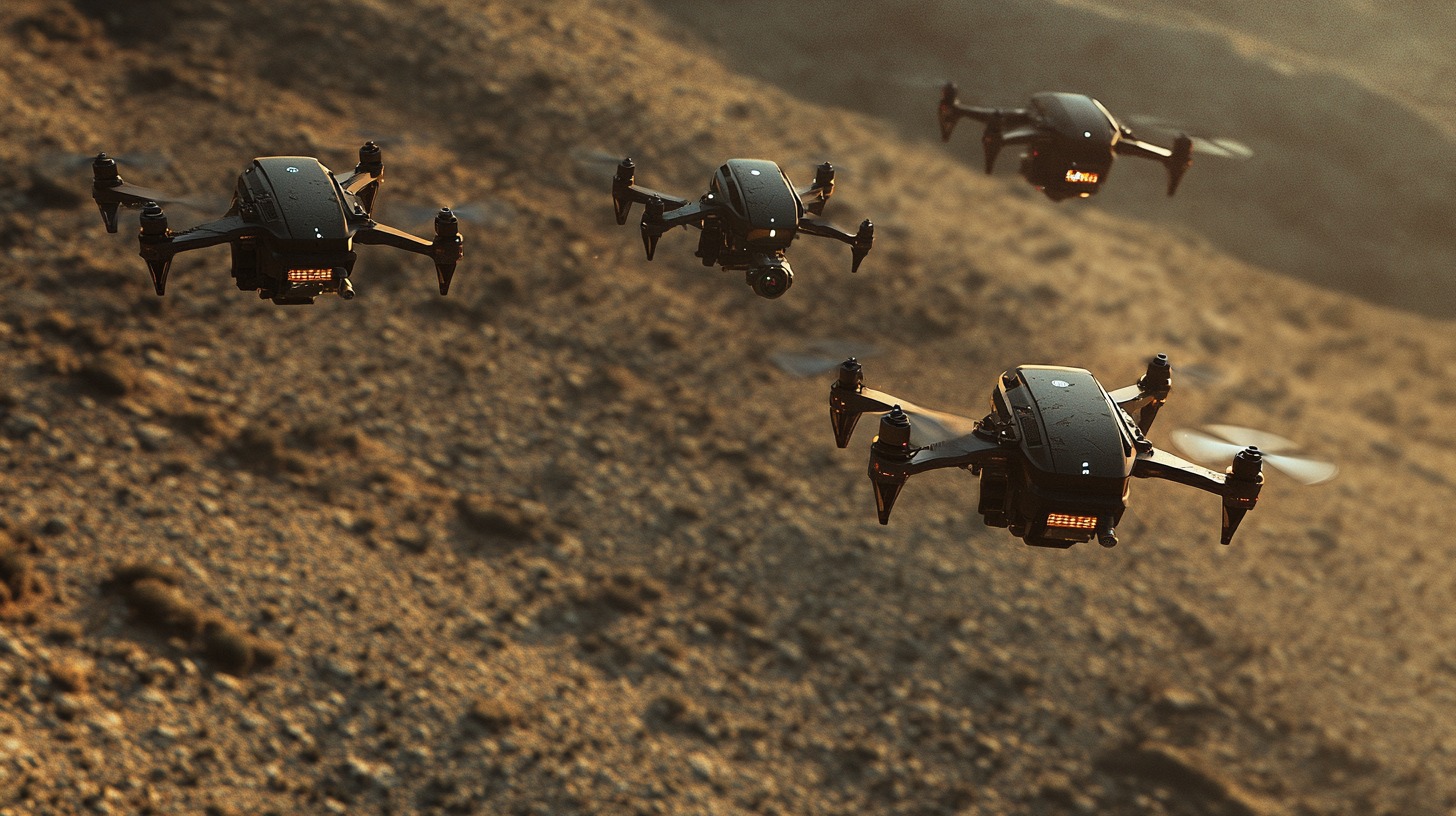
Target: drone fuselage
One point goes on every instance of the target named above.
(749, 216)
(292, 226)
(306, 221)
(755, 219)
(1073, 150)
(1070, 457)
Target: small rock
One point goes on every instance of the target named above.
(153, 437)
(21, 424)
(508, 517)
(1177, 699)
(68, 706)
(373, 773)
(340, 669)
(412, 537)
(9, 645)
(702, 765)
(163, 734)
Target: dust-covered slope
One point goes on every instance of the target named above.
(1398, 49)
(565, 542)
(1348, 187)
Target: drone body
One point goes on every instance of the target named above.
(292, 226)
(749, 216)
(1056, 454)
(1071, 141)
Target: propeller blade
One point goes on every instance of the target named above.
(1208, 447)
(491, 213)
(928, 426)
(1243, 437)
(597, 164)
(1203, 144)
(1222, 147)
(1303, 469)
(1203, 447)
(70, 163)
(819, 356)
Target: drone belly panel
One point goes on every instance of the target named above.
(302, 203)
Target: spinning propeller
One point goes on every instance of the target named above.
(1203, 144)
(1216, 443)
(815, 357)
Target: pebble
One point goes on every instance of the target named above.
(703, 766)
(153, 437)
(10, 645)
(20, 424)
(163, 734)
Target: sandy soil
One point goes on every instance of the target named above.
(566, 541)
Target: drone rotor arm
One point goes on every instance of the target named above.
(1177, 160)
(894, 458)
(950, 110)
(1149, 394)
(678, 213)
(971, 450)
(110, 199)
(625, 193)
(354, 184)
(624, 197)
(860, 242)
(641, 195)
(1133, 146)
(1239, 486)
(816, 195)
(659, 216)
(159, 245)
(446, 249)
(368, 174)
(385, 235)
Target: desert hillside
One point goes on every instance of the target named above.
(1348, 187)
(567, 541)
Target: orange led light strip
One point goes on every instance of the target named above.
(1082, 176)
(309, 275)
(1072, 522)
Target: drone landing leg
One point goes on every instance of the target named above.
(156, 244)
(892, 446)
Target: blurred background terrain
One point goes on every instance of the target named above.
(567, 541)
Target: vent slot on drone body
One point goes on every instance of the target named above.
(1029, 429)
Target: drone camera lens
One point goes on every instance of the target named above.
(770, 281)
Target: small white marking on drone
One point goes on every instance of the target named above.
(1087, 133)
(1060, 383)
(1086, 468)
(773, 233)
(754, 173)
(291, 169)
(317, 233)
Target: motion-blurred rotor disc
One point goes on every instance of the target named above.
(1219, 443)
(819, 356)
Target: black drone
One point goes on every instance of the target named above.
(1055, 454)
(749, 216)
(1071, 141)
(292, 226)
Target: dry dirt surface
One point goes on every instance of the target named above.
(566, 542)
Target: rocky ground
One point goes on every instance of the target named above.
(567, 542)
